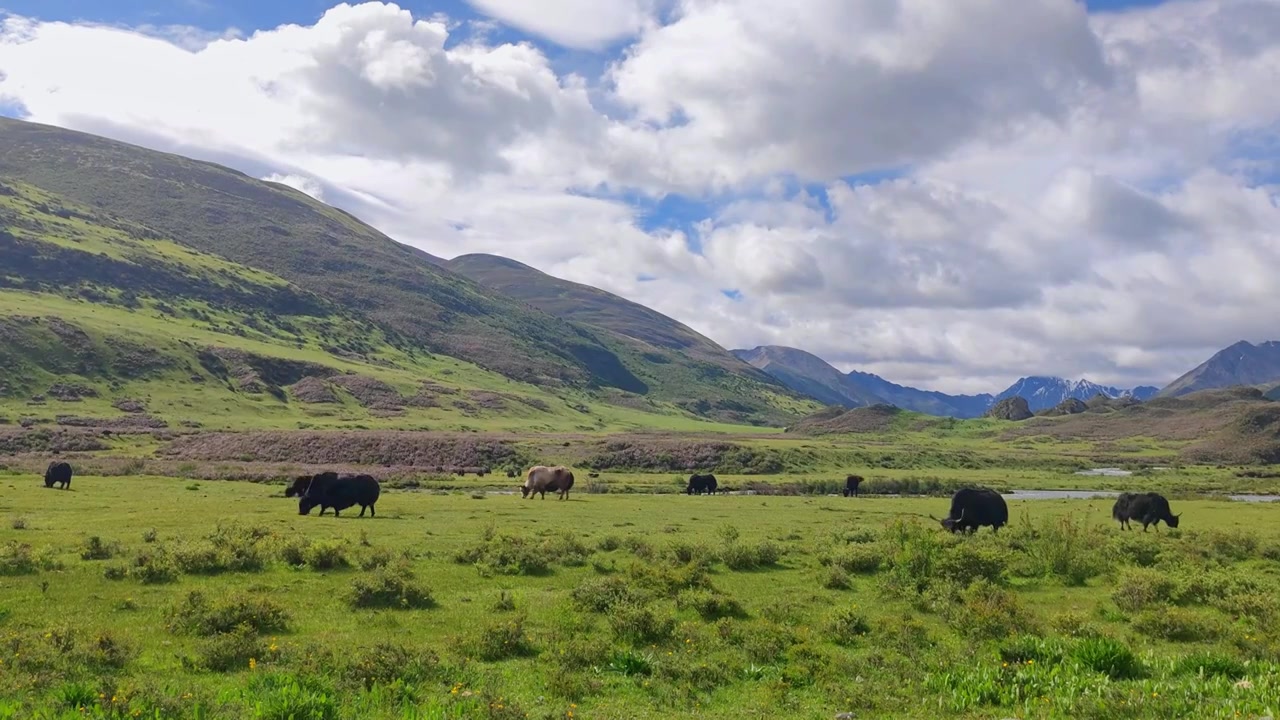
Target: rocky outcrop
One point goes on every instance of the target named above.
(1013, 408)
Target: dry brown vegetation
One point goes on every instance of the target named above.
(414, 449)
(835, 420)
(1236, 425)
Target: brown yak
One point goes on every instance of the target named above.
(541, 478)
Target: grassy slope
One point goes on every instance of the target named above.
(274, 229)
(939, 655)
(667, 355)
(127, 313)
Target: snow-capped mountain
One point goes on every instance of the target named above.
(1042, 393)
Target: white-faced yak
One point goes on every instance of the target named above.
(541, 478)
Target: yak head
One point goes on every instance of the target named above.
(305, 503)
(949, 523)
(524, 491)
(1173, 520)
(299, 486)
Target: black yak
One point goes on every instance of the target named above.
(701, 484)
(58, 473)
(851, 484)
(971, 508)
(331, 490)
(540, 479)
(1147, 508)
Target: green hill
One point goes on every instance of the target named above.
(666, 355)
(187, 261)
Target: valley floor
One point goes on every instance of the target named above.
(140, 596)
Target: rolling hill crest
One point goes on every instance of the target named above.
(122, 246)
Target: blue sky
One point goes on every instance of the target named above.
(249, 15)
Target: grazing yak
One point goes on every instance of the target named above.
(701, 484)
(540, 479)
(331, 490)
(971, 508)
(58, 473)
(1147, 508)
(851, 484)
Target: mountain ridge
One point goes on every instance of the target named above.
(138, 228)
(1241, 363)
(804, 371)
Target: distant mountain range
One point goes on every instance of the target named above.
(809, 374)
(1240, 364)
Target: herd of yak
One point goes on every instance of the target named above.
(971, 508)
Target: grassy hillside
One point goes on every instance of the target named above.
(107, 323)
(120, 226)
(666, 355)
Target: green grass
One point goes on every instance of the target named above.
(622, 606)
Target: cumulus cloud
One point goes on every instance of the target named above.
(1066, 194)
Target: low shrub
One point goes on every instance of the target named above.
(750, 556)
(154, 567)
(1178, 625)
(861, 559)
(845, 626)
(238, 649)
(196, 615)
(641, 624)
(95, 548)
(385, 663)
(18, 558)
(1208, 664)
(502, 640)
(390, 588)
(1141, 588)
(710, 604)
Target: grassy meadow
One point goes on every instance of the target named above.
(154, 597)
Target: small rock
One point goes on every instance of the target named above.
(844, 716)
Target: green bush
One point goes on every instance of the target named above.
(1142, 588)
(861, 559)
(1178, 625)
(95, 548)
(390, 588)
(153, 567)
(196, 615)
(710, 604)
(1211, 665)
(502, 639)
(641, 624)
(967, 562)
(845, 626)
(386, 663)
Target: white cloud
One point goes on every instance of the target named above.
(1080, 195)
(298, 182)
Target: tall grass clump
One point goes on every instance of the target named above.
(1061, 547)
